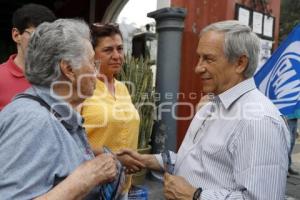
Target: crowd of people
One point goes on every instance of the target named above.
(68, 128)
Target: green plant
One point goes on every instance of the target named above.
(138, 76)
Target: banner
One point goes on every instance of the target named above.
(279, 77)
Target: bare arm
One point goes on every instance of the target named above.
(151, 162)
(148, 160)
(132, 165)
(77, 185)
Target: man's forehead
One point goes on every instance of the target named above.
(211, 36)
(210, 40)
(209, 48)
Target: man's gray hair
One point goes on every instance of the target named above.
(238, 40)
(51, 43)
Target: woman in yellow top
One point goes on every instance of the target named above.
(110, 117)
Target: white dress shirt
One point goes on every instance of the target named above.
(236, 147)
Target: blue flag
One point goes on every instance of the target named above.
(279, 77)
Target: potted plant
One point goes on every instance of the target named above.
(138, 76)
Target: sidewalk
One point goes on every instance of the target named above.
(155, 189)
(293, 182)
(292, 188)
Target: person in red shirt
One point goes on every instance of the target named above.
(24, 22)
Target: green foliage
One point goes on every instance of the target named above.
(138, 77)
(289, 17)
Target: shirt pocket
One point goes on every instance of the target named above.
(212, 148)
(213, 142)
(218, 136)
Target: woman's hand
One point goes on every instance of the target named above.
(101, 169)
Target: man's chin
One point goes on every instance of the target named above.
(208, 90)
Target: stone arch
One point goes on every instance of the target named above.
(113, 10)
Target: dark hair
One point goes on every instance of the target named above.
(31, 15)
(104, 30)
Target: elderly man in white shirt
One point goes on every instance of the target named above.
(237, 144)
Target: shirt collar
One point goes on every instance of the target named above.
(13, 68)
(231, 95)
(69, 115)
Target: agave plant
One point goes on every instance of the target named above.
(138, 76)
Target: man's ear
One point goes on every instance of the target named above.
(16, 35)
(242, 64)
(67, 71)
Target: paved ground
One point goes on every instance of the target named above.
(293, 182)
(292, 190)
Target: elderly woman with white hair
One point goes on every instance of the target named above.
(44, 152)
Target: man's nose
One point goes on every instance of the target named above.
(199, 69)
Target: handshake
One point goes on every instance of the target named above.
(175, 187)
(132, 160)
(135, 162)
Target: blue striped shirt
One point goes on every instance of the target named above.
(236, 147)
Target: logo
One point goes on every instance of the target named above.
(282, 84)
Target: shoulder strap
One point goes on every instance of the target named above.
(45, 105)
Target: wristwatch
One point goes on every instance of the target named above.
(197, 193)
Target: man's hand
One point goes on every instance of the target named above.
(148, 160)
(177, 188)
(132, 160)
(132, 164)
(129, 158)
